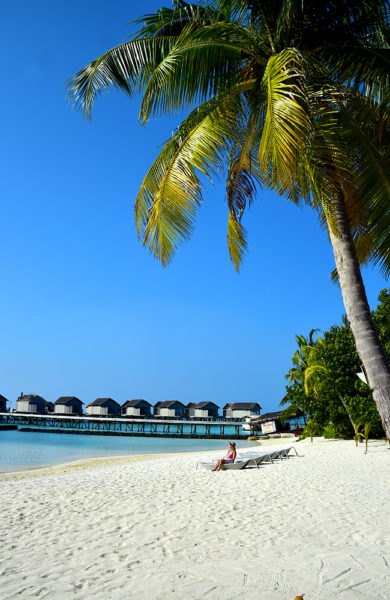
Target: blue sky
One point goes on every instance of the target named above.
(84, 309)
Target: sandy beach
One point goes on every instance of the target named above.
(161, 529)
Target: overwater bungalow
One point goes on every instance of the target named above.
(189, 410)
(240, 410)
(202, 410)
(137, 408)
(3, 404)
(31, 403)
(69, 406)
(169, 408)
(103, 407)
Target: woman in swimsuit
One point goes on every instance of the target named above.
(229, 458)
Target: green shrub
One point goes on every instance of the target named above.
(311, 429)
(331, 432)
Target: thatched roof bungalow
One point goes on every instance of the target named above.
(69, 406)
(3, 403)
(103, 407)
(169, 408)
(202, 410)
(240, 410)
(31, 403)
(137, 408)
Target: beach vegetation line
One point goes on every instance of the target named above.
(324, 379)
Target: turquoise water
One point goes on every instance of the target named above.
(21, 450)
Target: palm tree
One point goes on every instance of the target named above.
(297, 372)
(296, 377)
(318, 376)
(290, 95)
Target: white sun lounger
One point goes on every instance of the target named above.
(257, 458)
(236, 466)
(284, 452)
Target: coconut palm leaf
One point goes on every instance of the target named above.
(372, 192)
(158, 169)
(361, 67)
(129, 65)
(236, 239)
(171, 21)
(287, 125)
(202, 63)
(288, 412)
(124, 67)
(313, 379)
(170, 195)
(242, 181)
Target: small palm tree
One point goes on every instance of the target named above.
(367, 429)
(289, 95)
(311, 427)
(317, 374)
(296, 374)
(358, 435)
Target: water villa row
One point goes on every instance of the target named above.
(139, 418)
(138, 408)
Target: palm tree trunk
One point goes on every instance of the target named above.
(347, 411)
(358, 313)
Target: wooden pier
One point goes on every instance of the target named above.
(152, 427)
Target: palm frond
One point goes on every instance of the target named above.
(202, 63)
(242, 180)
(360, 67)
(237, 239)
(171, 21)
(285, 20)
(288, 412)
(326, 161)
(123, 67)
(373, 192)
(170, 194)
(287, 126)
(313, 379)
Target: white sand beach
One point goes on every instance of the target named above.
(161, 529)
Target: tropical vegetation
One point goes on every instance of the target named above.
(323, 380)
(293, 96)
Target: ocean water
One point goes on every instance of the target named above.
(20, 450)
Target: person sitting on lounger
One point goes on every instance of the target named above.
(229, 458)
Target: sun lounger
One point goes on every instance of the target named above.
(236, 466)
(284, 452)
(257, 458)
(253, 458)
